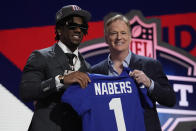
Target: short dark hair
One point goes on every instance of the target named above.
(61, 23)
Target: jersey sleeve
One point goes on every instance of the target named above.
(144, 98)
(77, 98)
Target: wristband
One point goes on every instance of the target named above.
(61, 78)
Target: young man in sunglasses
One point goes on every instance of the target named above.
(50, 71)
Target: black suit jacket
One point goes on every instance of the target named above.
(38, 84)
(163, 93)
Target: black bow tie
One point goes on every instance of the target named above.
(70, 57)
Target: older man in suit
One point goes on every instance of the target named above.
(50, 71)
(146, 71)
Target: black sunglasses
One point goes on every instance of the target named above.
(73, 26)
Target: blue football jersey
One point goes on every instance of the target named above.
(107, 103)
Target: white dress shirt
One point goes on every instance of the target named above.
(76, 62)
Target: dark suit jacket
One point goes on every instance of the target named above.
(162, 93)
(38, 84)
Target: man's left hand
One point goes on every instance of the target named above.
(140, 77)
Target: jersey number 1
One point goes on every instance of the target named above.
(115, 104)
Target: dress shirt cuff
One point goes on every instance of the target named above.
(58, 84)
(151, 88)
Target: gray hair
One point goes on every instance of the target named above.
(111, 17)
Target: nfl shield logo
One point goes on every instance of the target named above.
(144, 37)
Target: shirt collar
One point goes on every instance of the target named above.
(66, 49)
(126, 61)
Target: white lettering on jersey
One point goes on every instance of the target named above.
(128, 85)
(116, 88)
(104, 88)
(97, 88)
(112, 88)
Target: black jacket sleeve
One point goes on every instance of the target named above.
(34, 84)
(163, 93)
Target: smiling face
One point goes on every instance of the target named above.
(118, 36)
(72, 37)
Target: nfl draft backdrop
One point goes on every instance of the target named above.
(165, 30)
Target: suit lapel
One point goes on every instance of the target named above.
(135, 62)
(60, 57)
(105, 67)
(83, 67)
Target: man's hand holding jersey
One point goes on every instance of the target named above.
(141, 78)
(76, 77)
